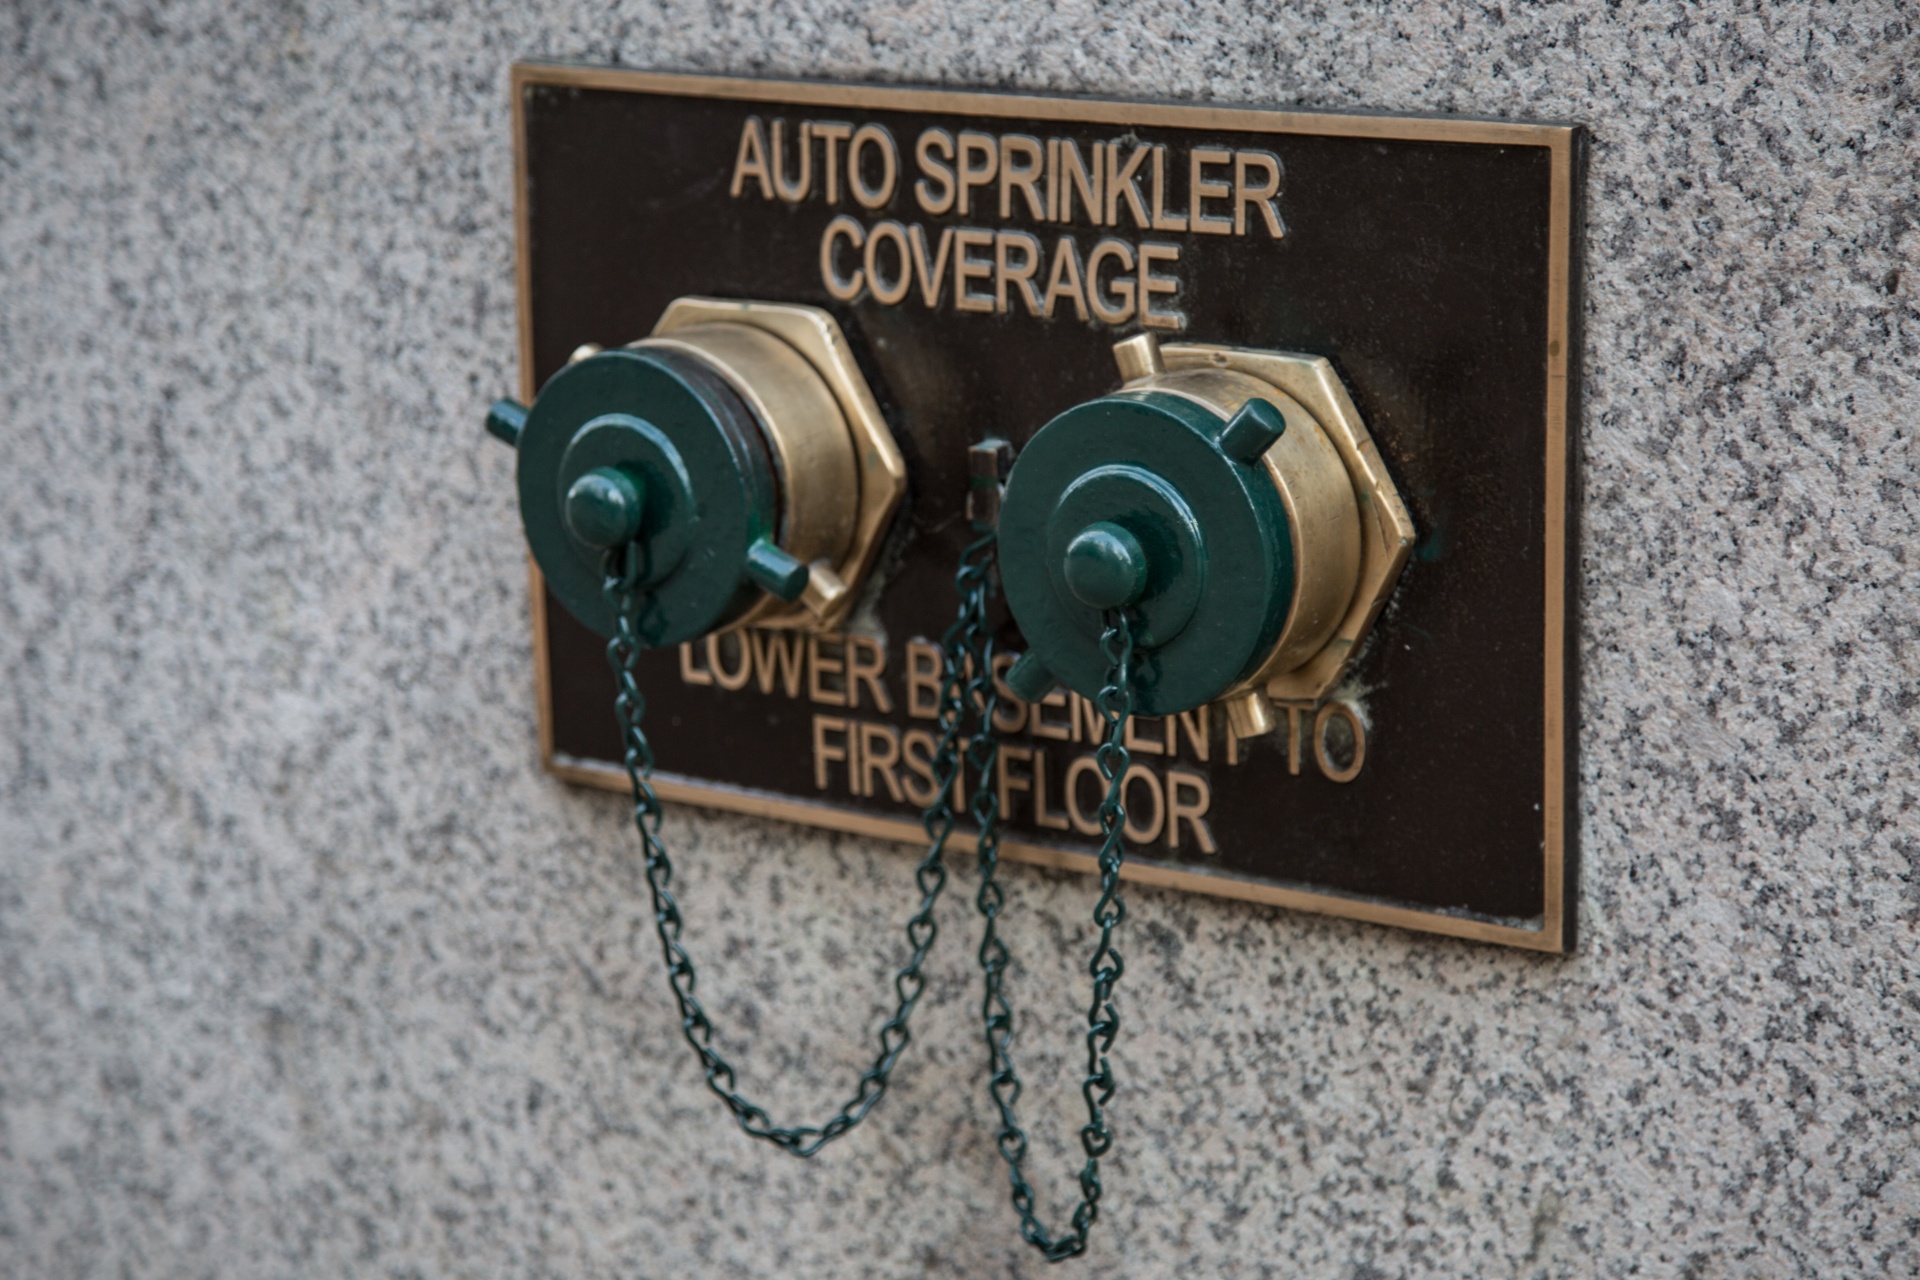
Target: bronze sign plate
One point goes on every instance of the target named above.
(1433, 261)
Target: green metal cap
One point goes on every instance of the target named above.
(1132, 500)
(650, 446)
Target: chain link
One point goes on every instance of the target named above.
(623, 568)
(967, 692)
(1115, 704)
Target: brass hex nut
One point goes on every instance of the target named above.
(880, 472)
(1386, 530)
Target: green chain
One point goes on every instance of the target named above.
(967, 685)
(1115, 703)
(623, 568)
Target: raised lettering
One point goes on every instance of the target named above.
(888, 294)
(926, 666)
(1199, 729)
(690, 674)
(1064, 281)
(866, 663)
(778, 655)
(1020, 167)
(1077, 177)
(872, 136)
(1121, 285)
(1041, 727)
(979, 162)
(833, 133)
(818, 665)
(1011, 715)
(1087, 724)
(881, 762)
(1042, 816)
(933, 276)
(824, 752)
(1010, 782)
(1151, 284)
(916, 752)
(1200, 189)
(1053, 179)
(1136, 742)
(1192, 812)
(1261, 196)
(1143, 832)
(796, 191)
(1293, 739)
(1079, 768)
(1122, 183)
(1162, 220)
(936, 171)
(751, 161)
(966, 267)
(1323, 756)
(1021, 275)
(843, 288)
(738, 677)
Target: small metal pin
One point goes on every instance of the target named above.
(825, 588)
(1029, 678)
(1250, 715)
(775, 571)
(506, 420)
(1253, 431)
(1139, 357)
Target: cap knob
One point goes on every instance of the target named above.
(603, 507)
(1105, 566)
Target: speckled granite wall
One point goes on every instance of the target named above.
(306, 970)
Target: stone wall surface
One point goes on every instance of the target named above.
(306, 969)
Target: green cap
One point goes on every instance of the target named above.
(1132, 500)
(653, 447)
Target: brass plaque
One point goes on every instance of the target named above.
(983, 252)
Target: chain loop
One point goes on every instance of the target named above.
(967, 692)
(623, 568)
(1115, 704)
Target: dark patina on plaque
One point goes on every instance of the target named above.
(1432, 261)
